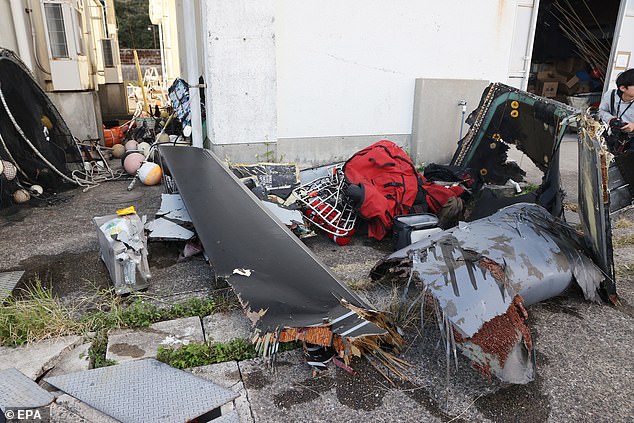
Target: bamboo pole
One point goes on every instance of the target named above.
(138, 71)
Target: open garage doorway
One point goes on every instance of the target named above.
(571, 50)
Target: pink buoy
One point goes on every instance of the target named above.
(133, 162)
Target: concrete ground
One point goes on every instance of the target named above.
(583, 350)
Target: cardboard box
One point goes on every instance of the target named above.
(549, 89)
(570, 65)
(572, 82)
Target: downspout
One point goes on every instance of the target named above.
(163, 64)
(21, 34)
(529, 46)
(191, 55)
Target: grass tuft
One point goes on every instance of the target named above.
(194, 355)
(36, 316)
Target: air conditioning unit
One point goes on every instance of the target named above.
(70, 69)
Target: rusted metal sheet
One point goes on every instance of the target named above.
(480, 275)
(279, 281)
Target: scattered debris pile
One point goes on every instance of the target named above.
(299, 300)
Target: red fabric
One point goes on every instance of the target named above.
(390, 184)
(437, 195)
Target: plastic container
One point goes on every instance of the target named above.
(411, 228)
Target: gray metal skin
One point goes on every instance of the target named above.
(279, 281)
(539, 255)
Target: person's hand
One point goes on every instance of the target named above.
(629, 127)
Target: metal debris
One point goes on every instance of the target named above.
(480, 275)
(290, 295)
(535, 125)
(173, 208)
(163, 229)
(123, 248)
(595, 195)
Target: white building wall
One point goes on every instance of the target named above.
(240, 71)
(7, 28)
(348, 68)
(622, 45)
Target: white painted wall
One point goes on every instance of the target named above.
(240, 71)
(623, 42)
(348, 68)
(7, 28)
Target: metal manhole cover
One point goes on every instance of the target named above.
(8, 281)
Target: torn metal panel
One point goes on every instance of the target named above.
(535, 125)
(286, 216)
(173, 208)
(287, 287)
(164, 229)
(480, 273)
(594, 200)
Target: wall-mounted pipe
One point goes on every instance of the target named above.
(193, 72)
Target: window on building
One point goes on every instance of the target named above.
(108, 57)
(56, 30)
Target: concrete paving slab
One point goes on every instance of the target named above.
(35, 359)
(223, 327)
(67, 409)
(74, 360)
(228, 376)
(289, 392)
(133, 344)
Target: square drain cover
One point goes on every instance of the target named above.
(144, 391)
(17, 390)
(8, 281)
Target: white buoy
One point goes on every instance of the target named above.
(144, 148)
(36, 190)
